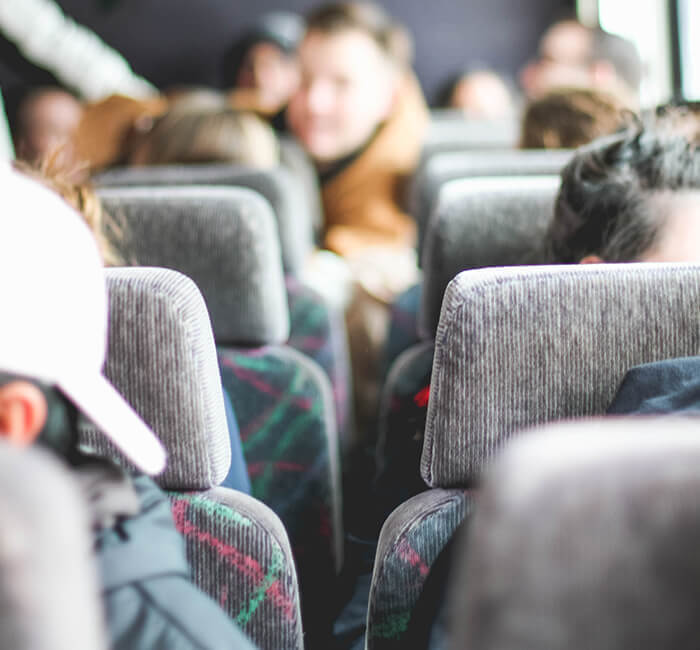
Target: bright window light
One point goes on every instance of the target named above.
(689, 15)
(647, 27)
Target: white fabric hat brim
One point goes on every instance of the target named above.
(108, 410)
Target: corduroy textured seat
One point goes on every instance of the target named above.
(282, 400)
(517, 347)
(283, 191)
(585, 537)
(162, 358)
(479, 222)
(440, 168)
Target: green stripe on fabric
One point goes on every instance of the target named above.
(277, 414)
(243, 617)
(393, 627)
(217, 509)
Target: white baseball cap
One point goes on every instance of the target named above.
(53, 311)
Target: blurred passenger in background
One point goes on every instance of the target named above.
(262, 69)
(361, 116)
(108, 127)
(633, 197)
(188, 135)
(571, 54)
(483, 95)
(566, 118)
(44, 124)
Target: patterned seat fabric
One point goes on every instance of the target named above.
(259, 589)
(521, 346)
(410, 542)
(585, 537)
(284, 407)
(318, 331)
(403, 409)
(162, 358)
(219, 221)
(478, 223)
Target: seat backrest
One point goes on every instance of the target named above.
(436, 170)
(481, 222)
(521, 346)
(224, 239)
(449, 130)
(585, 537)
(161, 356)
(279, 186)
(49, 587)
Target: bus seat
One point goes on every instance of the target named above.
(521, 346)
(279, 186)
(224, 239)
(482, 222)
(203, 251)
(478, 222)
(282, 400)
(585, 536)
(449, 130)
(162, 358)
(436, 170)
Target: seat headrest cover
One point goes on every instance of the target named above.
(439, 168)
(585, 537)
(521, 346)
(161, 356)
(224, 239)
(290, 205)
(482, 222)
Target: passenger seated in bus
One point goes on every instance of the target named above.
(44, 123)
(633, 197)
(566, 118)
(483, 95)
(571, 54)
(52, 346)
(262, 69)
(360, 114)
(191, 136)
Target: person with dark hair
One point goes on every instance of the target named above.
(633, 197)
(52, 348)
(566, 118)
(573, 55)
(261, 67)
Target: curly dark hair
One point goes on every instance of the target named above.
(605, 206)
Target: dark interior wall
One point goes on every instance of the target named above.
(181, 41)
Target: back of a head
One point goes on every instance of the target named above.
(621, 53)
(567, 118)
(391, 37)
(606, 206)
(208, 136)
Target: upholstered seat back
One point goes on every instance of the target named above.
(482, 222)
(584, 536)
(225, 239)
(521, 346)
(440, 168)
(287, 196)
